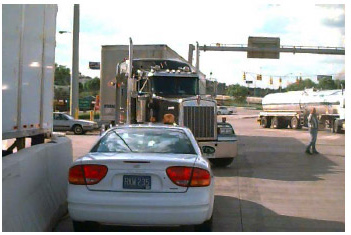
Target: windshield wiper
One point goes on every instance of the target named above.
(123, 141)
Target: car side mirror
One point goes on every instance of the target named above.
(208, 149)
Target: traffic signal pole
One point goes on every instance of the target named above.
(286, 49)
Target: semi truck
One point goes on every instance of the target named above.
(281, 110)
(155, 81)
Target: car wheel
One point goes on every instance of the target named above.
(78, 129)
(221, 162)
(218, 113)
(85, 226)
(205, 226)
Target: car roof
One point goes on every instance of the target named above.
(149, 125)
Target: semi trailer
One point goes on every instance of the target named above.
(28, 55)
(291, 109)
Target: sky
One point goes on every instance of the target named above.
(188, 22)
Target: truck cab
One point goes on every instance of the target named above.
(159, 87)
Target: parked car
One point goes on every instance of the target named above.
(65, 122)
(144, 175)
(223, 110)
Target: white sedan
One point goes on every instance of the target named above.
(142, 175)
(223, 110)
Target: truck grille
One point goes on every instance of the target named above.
(200, 120)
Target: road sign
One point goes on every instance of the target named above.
(319, 77)
(263, 47)
(248, 82)
(94, 65)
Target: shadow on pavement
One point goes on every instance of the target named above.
(234, 215)
(276, 159)
(96, 133)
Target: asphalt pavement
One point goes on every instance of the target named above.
(271, 186)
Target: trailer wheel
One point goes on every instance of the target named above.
(275, 123)
(336, 127)
(294, 123)
(265, 122)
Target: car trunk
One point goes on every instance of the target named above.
(138, 172)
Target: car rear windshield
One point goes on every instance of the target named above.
(145, 140)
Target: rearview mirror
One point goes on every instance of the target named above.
(208, 149)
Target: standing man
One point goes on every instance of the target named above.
(313, 126)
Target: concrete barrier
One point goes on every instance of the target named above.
(34, 186)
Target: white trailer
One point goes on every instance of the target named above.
(281, 110)
(28, 57)
(34, 179)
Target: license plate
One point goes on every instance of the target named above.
(136, 182)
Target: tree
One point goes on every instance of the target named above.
(81, 87)
(238, 92)
(301, 85)
(340, 84)
(327, 84)
(62, 75)
(92, 85)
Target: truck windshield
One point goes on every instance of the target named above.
(175, 86)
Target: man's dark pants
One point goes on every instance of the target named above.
(313, 132)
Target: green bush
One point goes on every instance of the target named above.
(86, 116)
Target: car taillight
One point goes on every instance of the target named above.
(189, 176)
(87, 174)
(200, 178)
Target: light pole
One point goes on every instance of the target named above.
(74, 108)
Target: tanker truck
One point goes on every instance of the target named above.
(291, 109)
(154, 83)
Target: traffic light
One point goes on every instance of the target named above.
(259, 77)
(297, 80)
(280, 81)
(271, 81)
(244, 76)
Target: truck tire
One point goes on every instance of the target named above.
(295, 123)
(336, 127)
(265, 122)
(221, 162)
(276, 123)
(78, 129)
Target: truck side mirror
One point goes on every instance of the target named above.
(102, 130)
(208, 150)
